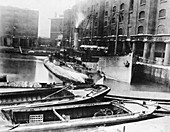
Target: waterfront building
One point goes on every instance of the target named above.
(19, 27)
(92, 25)
(119, 27)
(119, 24)
(56, 32)
(67, 29)
(125, 25)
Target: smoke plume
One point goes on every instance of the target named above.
(80, 17)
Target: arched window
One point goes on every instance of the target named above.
(105, 23)
(162, 13)
(142, 2)
(114, 8)
(161, 29)
(113, 32)
(131, 5)
(107, 3)
(113, 20)
(96, 14)
(105, 33)
(142, 15)
(120, 31)
(121, 17)
(106, 13)
(140, 30)
(95, 33)
(95, 24)
(122, 6)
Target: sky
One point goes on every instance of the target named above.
(47, 9)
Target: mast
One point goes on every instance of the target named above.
(92, 26)
(117, 30)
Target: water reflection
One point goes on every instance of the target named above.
(25, 68)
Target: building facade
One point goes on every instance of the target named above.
(56, 28)
(19, 27)
(56, 32)
(122, 26)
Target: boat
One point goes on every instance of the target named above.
(20, 85)
(37, 52)
(61, 94)
(74, 116)
(65, 72)
(27, 85)
(118, 68)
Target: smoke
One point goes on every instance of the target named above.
(1, 33)
(80, 17)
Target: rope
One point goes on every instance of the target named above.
(56, 92)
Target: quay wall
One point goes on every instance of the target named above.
(154, 73)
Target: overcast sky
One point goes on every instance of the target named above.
(46, 8)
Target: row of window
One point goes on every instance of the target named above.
(162, 14)
(122, 6)
(160, 30)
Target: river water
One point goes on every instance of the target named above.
(30, 68)
(25, 68)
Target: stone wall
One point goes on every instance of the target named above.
(154, 73)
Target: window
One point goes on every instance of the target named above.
(131, 5)
(107, 3)
(162, 13)
(95, 24)
(113, 20)
(113, 32)
(96, 14)
(114, 9)
(106, 13)
(121, 17)
(120, 31)
(142, 15)
(122, 6)
(105, 23)
(140, 30)
(142, 2)
(105, 33)
(161, 29)
(95, 33)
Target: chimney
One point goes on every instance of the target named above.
(76, 45)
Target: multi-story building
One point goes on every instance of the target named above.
(92, 25)
(19, 27)
(151, 31)
(126, 25)
(56, 28)
(56, 32)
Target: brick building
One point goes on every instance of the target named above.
(19, 27)
(125, 25)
